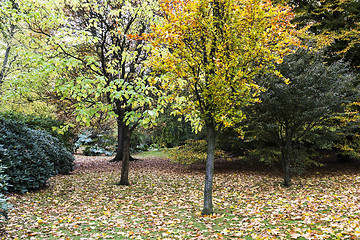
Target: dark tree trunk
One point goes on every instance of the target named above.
(124, 180)
(211, 141)
(120, 141)
(286, 160)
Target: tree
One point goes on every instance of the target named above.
(215, 49)
(334, 23)
(8, 28)
(106, 56)
(24, 78)
(296, 111)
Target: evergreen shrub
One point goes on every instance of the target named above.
(31, 156)
(4, 205)
(44, 123)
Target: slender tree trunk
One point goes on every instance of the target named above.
(124, 180)
(4, 65)
(286, 159)
(8, 49)
(211, 141)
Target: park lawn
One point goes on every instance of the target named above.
(164, 202)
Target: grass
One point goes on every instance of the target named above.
(164, 202)
(152, 154)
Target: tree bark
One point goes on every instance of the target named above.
(8, 49)
(286, 159)
(211, 141)
(124, 180)
(4, 65)
(120, 141)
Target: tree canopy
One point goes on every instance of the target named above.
(214, 51)
(292, 114)
(331, 23)
(101, 50)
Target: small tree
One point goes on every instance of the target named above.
(8, 28)
(25, 79)
(295, 107)
(105, 58)
(215, 48)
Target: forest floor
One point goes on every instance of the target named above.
(164, 202)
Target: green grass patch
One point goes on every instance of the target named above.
(152, 154)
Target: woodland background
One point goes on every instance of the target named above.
(112, 112)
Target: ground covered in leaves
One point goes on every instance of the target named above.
(164, 202)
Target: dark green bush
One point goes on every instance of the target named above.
(4, 205)
(296, 112)
(44, 123)
(31, 156)
(62, 159)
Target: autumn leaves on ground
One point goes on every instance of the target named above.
(164, 202)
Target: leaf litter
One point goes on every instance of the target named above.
(164, 202)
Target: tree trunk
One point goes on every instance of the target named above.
(211, 140)
(4, 65)
(120, 141)
(286, 159)
(124, 180)
(8, 49)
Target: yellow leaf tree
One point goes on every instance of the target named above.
(214, 51)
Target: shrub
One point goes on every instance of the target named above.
(44, 123)
(4, 205)
(96, 144)
(59, 156)
(192, 152)
(31, 156)
(96, 151)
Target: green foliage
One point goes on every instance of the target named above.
(44, 123)
(96, 150)
(140, 139)
(96, 144)
(110, 78)
(348, 132)
(293, 113)
(171, 130)
(192, 152)
(4, 205)
(28, 167)
(232, 142)
(31, 156)
(83, 139)
(332, 23)
(59, 156)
